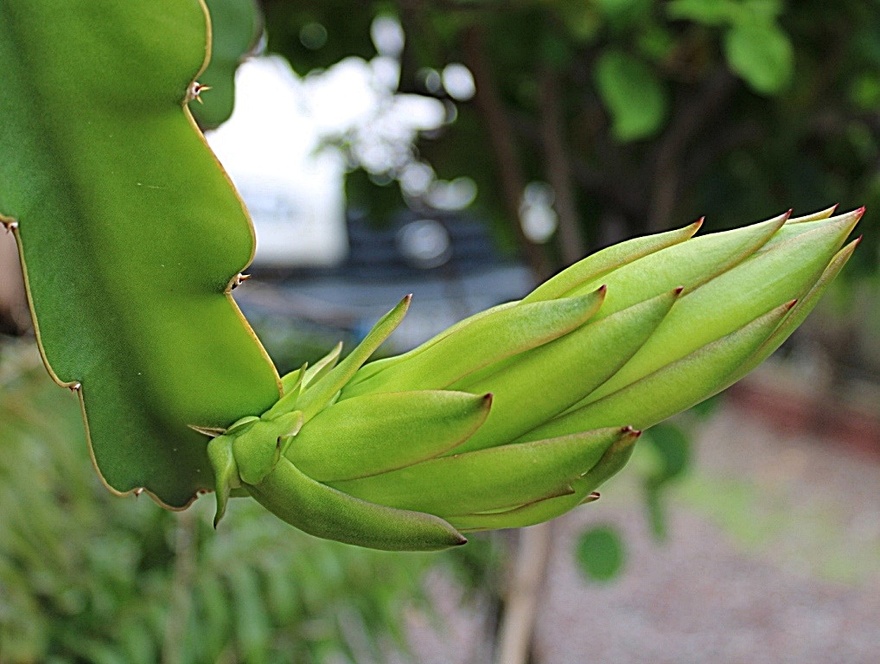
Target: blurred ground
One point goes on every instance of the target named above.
(773, 556)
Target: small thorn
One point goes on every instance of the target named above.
(195, 90)
(591, 498)
(137, 492)
(75, 387)
(788, 214)
(678, 291)
(239, 280)
(10, 225)
(790, 305)
(210, 432)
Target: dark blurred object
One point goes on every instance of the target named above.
(15, 318)
(418, 245)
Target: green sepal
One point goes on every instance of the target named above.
(580, 492)
(769, 279)
(240, 424)
(813, 216)
(671, 389)
(327, 387)
(292, 382)
(484, 340)
(322, 366)
(593, 268)
(377, 433)
(593, 353)
(684, 265)
(798, 313)
(225, 472)
(322, 511)
(801, 225)
(489, 479)
(258, 448)
(377, 366)
(292, 387)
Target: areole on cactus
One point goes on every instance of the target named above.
(131, 237)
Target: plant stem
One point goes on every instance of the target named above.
(520, 607)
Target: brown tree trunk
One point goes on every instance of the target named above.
(558, 168)
(511, 179)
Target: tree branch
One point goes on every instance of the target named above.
(558, 167)
(501, 139)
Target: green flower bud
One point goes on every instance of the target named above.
(516, 415)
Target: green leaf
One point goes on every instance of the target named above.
(723, 12)
(655, 507)
(632, 93)
(624, 12)
(673, 447)
(235, 28)
(762, 54)
(864, 91)
(600, 553)
(129, 232)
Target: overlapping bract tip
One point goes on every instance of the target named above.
(518, 414)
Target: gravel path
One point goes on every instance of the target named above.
(773, 556)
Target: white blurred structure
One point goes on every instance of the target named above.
(287, 144)
(293, 191)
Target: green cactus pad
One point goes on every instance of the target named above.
(129, 231)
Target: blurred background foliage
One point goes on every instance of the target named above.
(86, 576)
(640, 115)
(633, 116)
